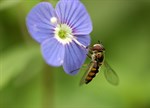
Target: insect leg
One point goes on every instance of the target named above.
(74, 70)
(89, 56)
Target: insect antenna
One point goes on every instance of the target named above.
(100, 42)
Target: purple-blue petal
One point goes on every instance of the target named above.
(38, 21)
(74, 58)
(73, 13)
(84, 39)
(53, 52)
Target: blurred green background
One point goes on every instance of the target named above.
(26, 81)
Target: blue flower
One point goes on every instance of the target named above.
(63, 33)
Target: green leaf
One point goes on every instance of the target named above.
(19, 60)
(4, 4)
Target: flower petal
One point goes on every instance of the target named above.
(53, 52)
(38, 21)
(73, 13)
(74, 58)
(84, 39)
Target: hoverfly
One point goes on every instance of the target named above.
(96, 54)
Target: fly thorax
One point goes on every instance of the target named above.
(93, 56)
(100, 56)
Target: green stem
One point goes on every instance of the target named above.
(48, 87)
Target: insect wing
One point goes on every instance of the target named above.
(86, 73)
(110, 74)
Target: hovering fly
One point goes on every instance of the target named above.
(96, 54)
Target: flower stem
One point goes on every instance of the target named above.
(48, 88)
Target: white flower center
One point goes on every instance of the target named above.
(63, 33)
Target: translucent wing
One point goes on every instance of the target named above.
(110, 74)
(86, 73)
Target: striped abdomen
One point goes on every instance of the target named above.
(94, 70)
(99, 57)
